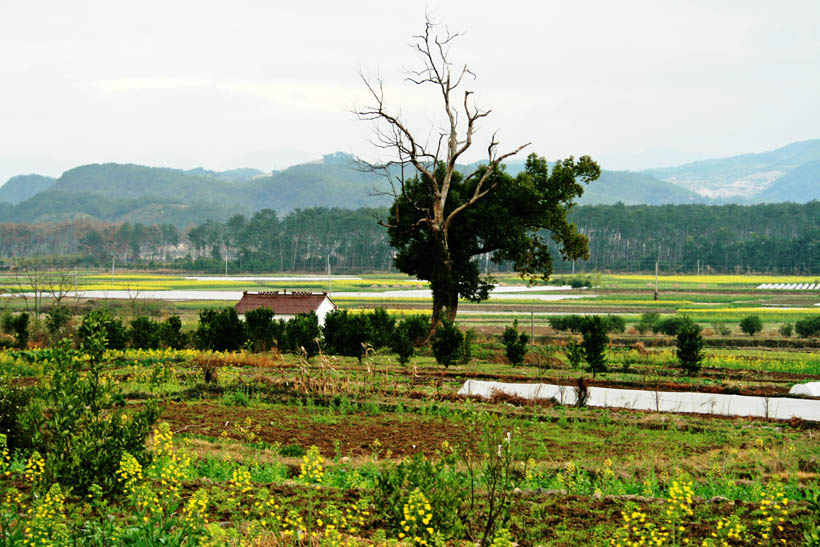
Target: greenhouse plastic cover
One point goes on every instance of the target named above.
(781, 408)
(812, 389)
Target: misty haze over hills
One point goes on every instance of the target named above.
(137, 193)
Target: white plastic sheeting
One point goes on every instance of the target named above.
(664, 401)
(812, 389)
(790, 286)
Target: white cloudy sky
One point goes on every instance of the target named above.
(267, 83)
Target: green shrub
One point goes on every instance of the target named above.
(13, 400)
(171, 335)
(77, 422)
(751, 325)
(575, 354)
(467, 346)
(669, 326)
(647, 322)
(808, 327)
(515, 344)
(722, 329)
(403, 341)
(690, 347)
(101, 321)
(447, 343)
(220, 330)
(418, 327)
(6, 322)
(347, 333)
(20, 329)
(261, 328)
(615, 323)
(786, 329)
(381, 327)
(57, 318)
(594, 342)
(144, 333)
(571, 323)
(303, 332)
(445, 486)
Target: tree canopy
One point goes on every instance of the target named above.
(442, 218)
(510, 224)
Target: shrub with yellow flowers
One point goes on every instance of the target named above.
(417, 527)
(773, 513)
(312, 468)
(5, 457)
(638, 530)
(46, 520)
(679, 508)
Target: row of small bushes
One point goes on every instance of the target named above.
(670, 326)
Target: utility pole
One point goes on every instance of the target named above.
(656, 280)
(329, 278)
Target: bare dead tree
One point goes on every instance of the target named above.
(59, 282)
(422, 156)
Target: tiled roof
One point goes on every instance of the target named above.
(282, 303)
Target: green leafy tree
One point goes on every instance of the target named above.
(595, 340)
(144, 333)
(442, 218)
(515, 344)
(261, 328)
(170, 333)
(381, 327)
(303, 332)
(346, 333)
(690, 346)
(447, 343)
(113, 330)
(786, 330)
(220, 330)
(751, 325)
(407, 334)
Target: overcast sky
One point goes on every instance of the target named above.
(268, 84)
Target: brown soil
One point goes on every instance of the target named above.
(402, 434)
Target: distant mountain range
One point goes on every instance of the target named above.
(137, 193)
(767, 176)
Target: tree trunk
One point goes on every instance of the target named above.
(445, 301)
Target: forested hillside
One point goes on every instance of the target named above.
(22, 187)
(136, 193)
(778, 238)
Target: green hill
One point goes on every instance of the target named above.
(232, 175)
(22, 187)
(632, 188)
(742, 176)
(799, 185)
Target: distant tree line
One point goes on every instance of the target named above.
(774, 238)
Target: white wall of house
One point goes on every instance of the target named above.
(324, 308)
(321, 312)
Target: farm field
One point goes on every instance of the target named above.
(709, 300)
(280, 449)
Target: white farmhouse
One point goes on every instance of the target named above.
(286, 305)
